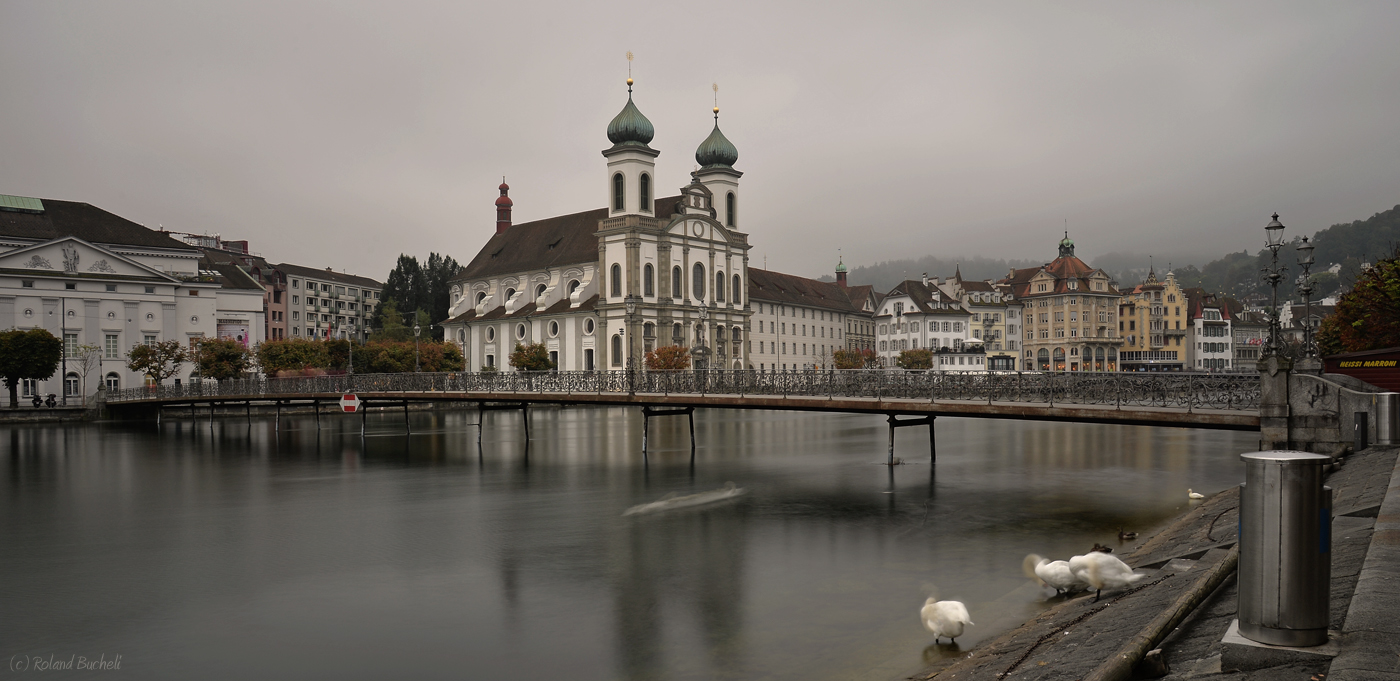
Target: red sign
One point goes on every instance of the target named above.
(349, 403)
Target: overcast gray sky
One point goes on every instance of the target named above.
(341, 133)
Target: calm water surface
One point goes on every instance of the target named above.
(237, 553)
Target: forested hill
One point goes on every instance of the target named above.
(1237, 274)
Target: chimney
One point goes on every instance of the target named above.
(925, 278)
(503, 205)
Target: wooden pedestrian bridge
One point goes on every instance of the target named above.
(1218, 401)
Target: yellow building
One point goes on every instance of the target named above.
(1152, 320)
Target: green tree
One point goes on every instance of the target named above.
(32, 354)
(1368, 316)
(532, 357)
(220, 358)
(921, 358)
(292, 356)
(439, 272)
(668, 358)
(158, 361)
(407, 287)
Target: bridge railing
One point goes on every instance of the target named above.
(1235, 392)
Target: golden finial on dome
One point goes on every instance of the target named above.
(715, 87)
(629, 68)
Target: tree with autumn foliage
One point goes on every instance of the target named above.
(1368, 316)
(668, 358)
(920, 358)
(532, 357)
(855, 359)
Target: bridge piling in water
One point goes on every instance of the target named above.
(648, 412)
(895, 422)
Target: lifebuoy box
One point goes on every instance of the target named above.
(350, 403)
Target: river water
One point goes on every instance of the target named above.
(237, 552)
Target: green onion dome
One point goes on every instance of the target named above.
(716, 150)
(629, 125)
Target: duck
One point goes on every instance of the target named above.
(1052, 573)
(1126, 536)
(944, 618)
(1194, 495)
(1099, 548)
(1103, 571)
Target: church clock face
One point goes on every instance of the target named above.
(697, 228)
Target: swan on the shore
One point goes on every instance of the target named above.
(1194, 495)
(1103, 571)
(1052, 573)
(944, 618)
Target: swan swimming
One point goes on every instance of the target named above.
(1103, 571)
(944, 618)
(1053, 573)
(673, 501)
(1194, 495)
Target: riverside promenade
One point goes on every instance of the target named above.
(1190, 568)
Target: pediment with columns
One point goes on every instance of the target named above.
(71, 256)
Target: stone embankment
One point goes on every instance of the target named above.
(1184, 608)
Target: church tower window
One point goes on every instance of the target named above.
(619, 192)
(648, 288)
(719, 286)
(698, 281)
(644, 192)
(616, 273)
(676, 281)
(729, 209)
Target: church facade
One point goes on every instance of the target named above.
(603, 287)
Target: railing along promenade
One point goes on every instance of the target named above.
(1124, 390)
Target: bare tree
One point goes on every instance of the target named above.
(85, 358)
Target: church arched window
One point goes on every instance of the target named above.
(619, 192)
(736, 292)
(676, 281)
(698, 281)
(719, 286)
(729, 209)
(539, 290)
(644, 192)
(617, 350)
(616, 273)
(648, 288)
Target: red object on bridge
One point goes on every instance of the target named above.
(349, 403)
(1380, 368)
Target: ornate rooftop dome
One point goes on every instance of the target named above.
(716, 150)
(629, 125)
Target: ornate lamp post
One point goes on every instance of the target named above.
(631, 302)
(1305, 288)
(417, 330)
(1273, 274)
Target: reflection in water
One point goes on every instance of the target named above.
(238, 551)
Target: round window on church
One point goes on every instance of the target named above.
(553, 329)
(588, 326)
(490, 334)
(29, 313)
(520, 331)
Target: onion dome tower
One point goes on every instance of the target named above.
(503, 205)
(1066, 247)
(717, 156)
(631, 163)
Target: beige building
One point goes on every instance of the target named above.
(1070, 313)
(1152, 321)
(995, 318)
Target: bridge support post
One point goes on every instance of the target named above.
(407, 428)
(932, 445)
(316, 405)
(159, 409)
(364, 416)
(248, 411)
(890, 460)
(648, 412)
(919, 421)
(278, 424)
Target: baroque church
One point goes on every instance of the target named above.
(603, 287)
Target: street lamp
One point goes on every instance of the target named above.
(630, 303)
(1273, 274)
(1305, 288)
(417, 330)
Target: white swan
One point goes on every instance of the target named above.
(1103, 571)
(944, 618)
(1194, 495)
(1053, 573)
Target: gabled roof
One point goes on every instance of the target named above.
(860, 294)
(1063, 269)
(790, 289)
(923, 297)
(85, 221)
(233, 277)
(328, 275)
(551, 242)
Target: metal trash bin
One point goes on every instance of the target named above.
(1285, 568)
(1387, 418)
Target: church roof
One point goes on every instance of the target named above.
(789, 289)
(84, 221)
(542, 244)
(716, 150)
(526, 310)
(629, 126)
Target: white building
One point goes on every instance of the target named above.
(919, 314)
(602, 287)
(93, 278)
(1209, 337)
(798, 323)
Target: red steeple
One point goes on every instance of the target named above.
(503, 205)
